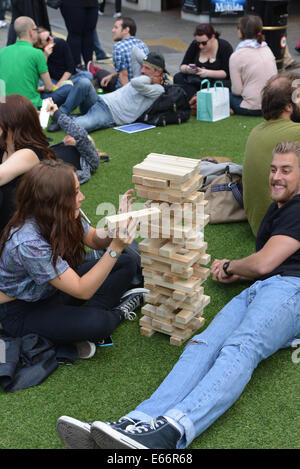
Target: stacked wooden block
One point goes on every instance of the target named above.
(173, 251)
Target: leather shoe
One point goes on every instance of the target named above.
(53, 127)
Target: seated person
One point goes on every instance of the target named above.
(251, 65)
(59, 59)
(23, 145)
(42, 268)
(206, 58)
(218, 363)
(124, 31)
(281, 115)
(124, 105)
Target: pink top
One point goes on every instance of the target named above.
(250, 68)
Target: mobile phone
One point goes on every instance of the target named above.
(105, 342)
(193, 66)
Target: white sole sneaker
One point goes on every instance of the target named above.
(135, 290)
(108, 438)
(75, 434)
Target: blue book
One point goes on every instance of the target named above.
(132, 128)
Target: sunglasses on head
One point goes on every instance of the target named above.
(202, 43)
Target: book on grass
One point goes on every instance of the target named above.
(132, 128)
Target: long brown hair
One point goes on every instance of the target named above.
(19, 115)
(47, 193)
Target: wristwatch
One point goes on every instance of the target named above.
(225, 267)
(113, 254)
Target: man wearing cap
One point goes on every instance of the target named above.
(126, 104)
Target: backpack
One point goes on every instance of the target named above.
(172, 107)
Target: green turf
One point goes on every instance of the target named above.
(118, 378)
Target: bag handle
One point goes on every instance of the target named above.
(218, 81)
(203, 82)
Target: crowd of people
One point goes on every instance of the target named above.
(50, 285)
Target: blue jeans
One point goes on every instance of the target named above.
(235, 104)
(98, 115)
(69, 97)
(217, 364)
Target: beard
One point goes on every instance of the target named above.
(295, 116)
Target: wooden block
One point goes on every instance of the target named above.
(189, 186)
(178, 160)
(179, 295)
(151, 182)
(146, 332)
(197, 322)
(148, 310)
(204, 259)
(140, 215)
(176, 341)
(145, 321)
(163, 170)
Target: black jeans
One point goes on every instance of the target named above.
(80, 23)
(64, 319)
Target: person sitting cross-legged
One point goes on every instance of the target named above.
(218, 363)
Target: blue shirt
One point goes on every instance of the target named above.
(122, 55)
(26, 264)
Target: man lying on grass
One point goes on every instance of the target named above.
(217, 364)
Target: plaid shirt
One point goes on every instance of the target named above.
(122, 55)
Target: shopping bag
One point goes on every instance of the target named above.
(212, 103)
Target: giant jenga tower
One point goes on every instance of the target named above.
(173, 251)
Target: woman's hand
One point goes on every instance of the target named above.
(203, 72)
(51, 106)
(126, 201)
(125, 234)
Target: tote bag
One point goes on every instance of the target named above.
(212, 103)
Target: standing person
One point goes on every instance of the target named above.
(42, 264)
(207, 57)
(251, 65)
(35, 9)
(81, 19)
(118, 6)
(218, 363)
(3, 23)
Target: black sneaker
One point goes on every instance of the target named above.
(158, 434)
(130, 301)
(122, 423)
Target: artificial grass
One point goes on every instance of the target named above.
(118, 378)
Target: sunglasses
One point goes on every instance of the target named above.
(202, 43)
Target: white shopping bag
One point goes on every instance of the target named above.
(213, 103)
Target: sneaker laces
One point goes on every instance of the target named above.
(141, 427)
(131, 422)
(129, 306)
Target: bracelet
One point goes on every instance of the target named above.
(225, 267)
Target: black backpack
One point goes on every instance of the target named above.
(172, 107)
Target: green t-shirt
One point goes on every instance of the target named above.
(21, 65)
(256, 167)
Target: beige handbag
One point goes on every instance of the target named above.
(225, 199)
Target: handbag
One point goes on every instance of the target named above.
(54, 3)
(225, 199)
(212, 103)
